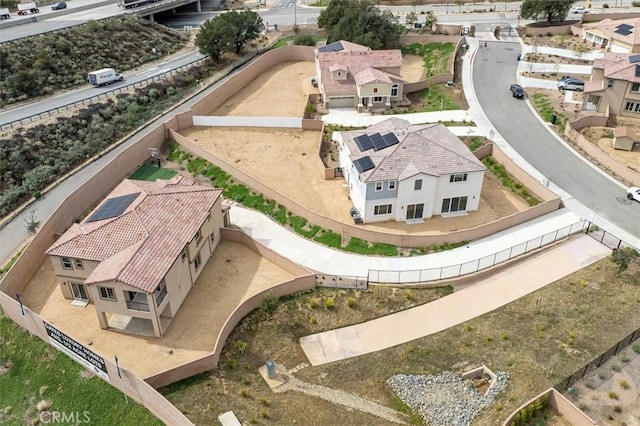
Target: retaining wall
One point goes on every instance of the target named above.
(230, 121)
(561, 405)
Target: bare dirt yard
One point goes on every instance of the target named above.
(603, 138)
(287, 161)
(412, 68)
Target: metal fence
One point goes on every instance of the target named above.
(592, 365)
(606, 238)
(454, 271)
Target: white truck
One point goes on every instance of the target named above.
(104, 76)
(26, 8)
(4, 14)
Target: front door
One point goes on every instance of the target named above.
(79, 291)
(415, 211)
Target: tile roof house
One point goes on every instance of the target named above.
(137, 255)
(616, 36)
(614, 86)
(403, 172)
(354, 76)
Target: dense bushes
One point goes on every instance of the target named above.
(40, 65)
(34, 157)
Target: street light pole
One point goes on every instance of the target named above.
(295, 13)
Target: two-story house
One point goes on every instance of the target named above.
(138, 254)
(354, 76)
(615, 36)
(403, 172)
(614, 86)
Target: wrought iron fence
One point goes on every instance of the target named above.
(454, 271)
(592, 365)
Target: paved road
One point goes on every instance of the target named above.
(494, 69)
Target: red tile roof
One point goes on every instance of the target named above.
(139, 246)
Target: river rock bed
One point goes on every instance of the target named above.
(445, 399)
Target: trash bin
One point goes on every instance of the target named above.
(271, 369)
(554, 117)
(519, 56)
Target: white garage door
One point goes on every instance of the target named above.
(616, 48)
(341, 102)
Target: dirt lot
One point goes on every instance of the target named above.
(233, 274)
(283, 158)
(603, 137)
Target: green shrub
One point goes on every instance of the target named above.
(268, 304)
(305, 40)
(329, 303)
(351, 302)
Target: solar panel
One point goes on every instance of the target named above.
(624, 29)
(113, 207)
(331, 47)
(363, 164)
(378, 142)
(390, 139)
(363, 142)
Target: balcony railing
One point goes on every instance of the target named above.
(138, 306)
(160, 297)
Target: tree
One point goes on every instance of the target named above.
(360, 21)
(459, 3)
(228, 32)
(551, 11)
(411, 18)
(622, 257)
(430, 20)
(32, 223)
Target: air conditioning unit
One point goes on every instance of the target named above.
(353, 211)
(357, 219)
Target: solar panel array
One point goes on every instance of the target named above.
(375, 141)
(113, 207)
(624, 29)
(331, 47)
(363, 164)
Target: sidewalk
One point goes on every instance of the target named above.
(484, 296)
(328, 261)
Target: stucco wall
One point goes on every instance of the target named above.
(561, 405)
(571, 132)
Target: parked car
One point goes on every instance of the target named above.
(633, 193)
(517, 91)
(571, 84)
(579, 10)
(59, 6)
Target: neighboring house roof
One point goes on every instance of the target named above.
(624, 131)
(355, 59)
(138, 246)
(371, 75)
(624, 30)
(429, 149)
(618, 66)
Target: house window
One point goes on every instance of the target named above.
(197, 262)
(455, 204)
(394, 90)
(379, 186)
(635, 87)
(377, 99)
(66, 263)
(417, 185)
(107, 293)
(375, 90)
(632, 106)
(198, 236)
(78, 263)
(383, 209)
(183, 255)
(461, 177)
(610, 83)
(392, 185)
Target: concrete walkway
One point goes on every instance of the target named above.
(486, 295)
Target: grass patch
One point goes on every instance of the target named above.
(285, 41)
(545, 109)
(35, 372)
(601, 304)
(152, 173)
(437, 99)
(436, 56)
(516, 187)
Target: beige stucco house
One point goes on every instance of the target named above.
(625, 138)
(137, 255)
(616, 36)
(354, 76)
(614, 86)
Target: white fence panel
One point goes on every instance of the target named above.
(228, 121)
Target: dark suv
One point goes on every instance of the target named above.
(59, 6)
(517, 91)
